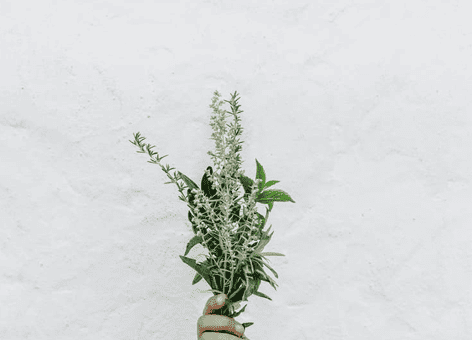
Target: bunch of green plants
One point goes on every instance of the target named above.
(224, 215)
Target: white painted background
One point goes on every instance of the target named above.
(362, 110)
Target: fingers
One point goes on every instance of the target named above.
(218, 323)
(214, 303)
(218, 336)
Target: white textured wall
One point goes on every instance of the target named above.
(362, 110)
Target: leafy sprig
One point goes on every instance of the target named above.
(224, 215)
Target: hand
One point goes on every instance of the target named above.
(218, 327)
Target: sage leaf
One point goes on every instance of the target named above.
(260, 174)
(194, 241)
(270, 183)
(269, 196)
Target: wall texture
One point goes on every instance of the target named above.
(362, 110)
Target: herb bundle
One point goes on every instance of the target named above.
(224, 215)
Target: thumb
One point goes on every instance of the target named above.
(214, 303)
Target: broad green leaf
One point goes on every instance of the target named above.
(194, 226)
(270, 183)
(197, 278)
(199, 268)
(191, 197)
(246, 183)
(262, 295)
(247, 324)
(271, 254)
(274, 196)
(191, 184)
(206, 185)
(194, 241)
(260, 174)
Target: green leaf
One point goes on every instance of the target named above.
(272, 270)
(251, 286)
(247, 324)
(194, 241)
(191, 184)
(239, 312)
(270, 183)
(197, 278)
(191, 198)
(194, 226)
(260, 174)
(271, 254)
(274, 196)
(246, 183)
(199, 268)
(272, 282)
(264, 240)
(206, 185)
(261, 220)
(262, 274)
(262, 295)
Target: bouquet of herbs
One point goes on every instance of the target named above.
(224, 215)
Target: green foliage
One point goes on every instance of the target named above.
(224, 215)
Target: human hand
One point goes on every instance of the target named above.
(218, 327)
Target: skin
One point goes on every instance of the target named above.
(209, 326)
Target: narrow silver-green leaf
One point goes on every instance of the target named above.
(271, 254)
(272, 270)
(264, 240)
(262, 295)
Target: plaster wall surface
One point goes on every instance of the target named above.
(361, 109)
